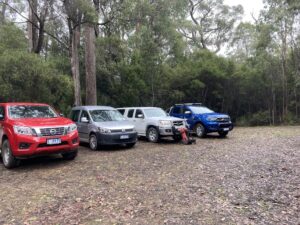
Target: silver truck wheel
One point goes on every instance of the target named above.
(152, 135)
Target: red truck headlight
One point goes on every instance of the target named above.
(24, 131)
(71, 128)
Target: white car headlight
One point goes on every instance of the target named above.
(24, 131)
(165, 123)
(104, 130)
(71, 128)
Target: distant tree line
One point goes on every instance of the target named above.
(153, 52)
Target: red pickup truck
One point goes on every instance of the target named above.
(31, 129)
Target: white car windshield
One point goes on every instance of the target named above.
(200, 109)
(30, 111)
(106, 115)
(155, 112)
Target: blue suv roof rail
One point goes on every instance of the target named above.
(195, 104)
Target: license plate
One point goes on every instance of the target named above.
(124, 136)
(54, 141)
(226, 129)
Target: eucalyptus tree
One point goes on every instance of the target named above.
(278, 15)
(209, 23)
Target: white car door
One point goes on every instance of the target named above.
(140, 122)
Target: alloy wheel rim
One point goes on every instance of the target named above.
(152, 135)
(199, 131)
(6, 153)
(93, 142)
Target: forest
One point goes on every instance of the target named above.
(153, 53)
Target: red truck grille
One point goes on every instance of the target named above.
(55, 131)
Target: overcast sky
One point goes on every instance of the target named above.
(250, 6)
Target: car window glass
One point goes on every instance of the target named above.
(200, 109)
(84, 114)
(138, 112)
(186, 110)
(130, 113)
(106, 115)
(122, 111)
(75, 115)
(2, 112)
(176, 110)
(154, 112)
(31, 111)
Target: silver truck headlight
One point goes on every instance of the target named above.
(165, 123)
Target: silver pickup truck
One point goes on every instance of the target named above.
(153, 123)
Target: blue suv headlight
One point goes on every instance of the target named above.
(212, 118)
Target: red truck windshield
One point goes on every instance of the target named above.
(27, 111)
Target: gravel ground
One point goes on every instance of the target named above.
(250, 177)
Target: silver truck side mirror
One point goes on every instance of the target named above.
(141, 116)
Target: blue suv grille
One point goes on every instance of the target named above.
(223, 119)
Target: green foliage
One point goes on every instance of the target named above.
(260, 118)
(32, 80)
(27, 77)
(11, 38)
(154, 53)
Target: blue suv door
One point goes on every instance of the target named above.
(177, 112)
(188, 115)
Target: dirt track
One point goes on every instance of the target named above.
(251, 177)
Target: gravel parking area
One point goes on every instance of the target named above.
(250, 177)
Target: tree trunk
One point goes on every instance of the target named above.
(32, 25)
(3, 11)
(90, 65)
(74, 55)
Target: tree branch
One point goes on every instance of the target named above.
(27, 20)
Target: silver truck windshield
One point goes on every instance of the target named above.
(155, 113)
(200, 109)
(106, 115)
(30, 111)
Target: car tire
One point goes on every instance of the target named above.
(200, 130)
(177, 138)
(130, 145)
(153, 135)
(93, 142)
(70, 155)
(223, 133)
(8, 158)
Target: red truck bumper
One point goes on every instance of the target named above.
(26, 146)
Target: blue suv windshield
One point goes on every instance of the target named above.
(200, 110)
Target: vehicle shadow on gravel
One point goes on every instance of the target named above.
(161, 141)
(52, 161)
(114, 148)
(213, 136)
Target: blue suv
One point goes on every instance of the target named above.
(201, 119)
